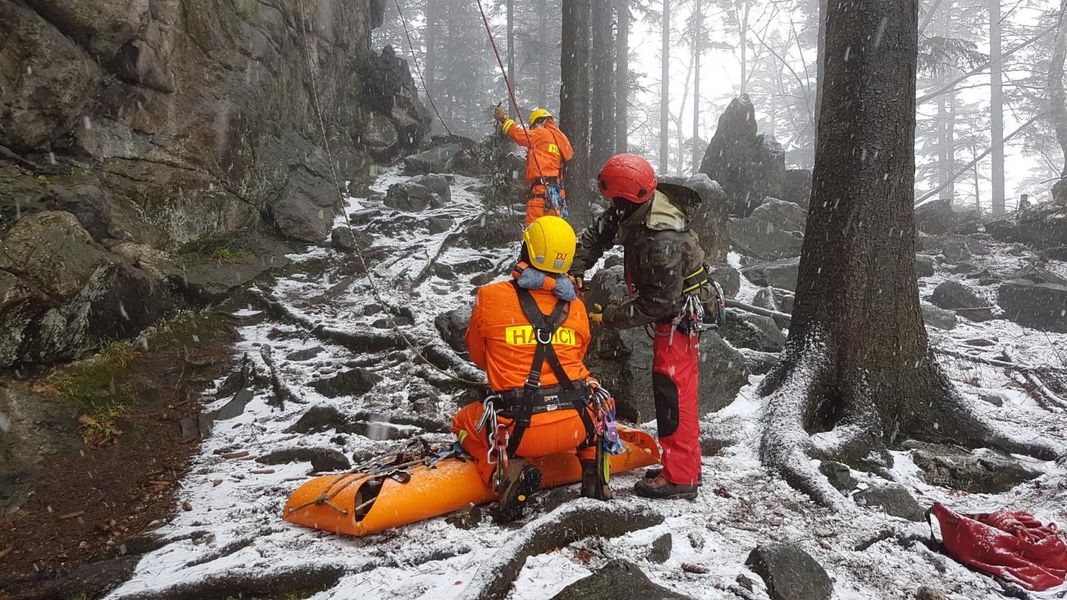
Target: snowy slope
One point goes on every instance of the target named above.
(235, 526)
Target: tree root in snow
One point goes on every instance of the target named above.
(560, 528)
(437, 353)
(282, 390)
(305, 579)
(795, 387)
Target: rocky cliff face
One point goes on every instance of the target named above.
(131, 128)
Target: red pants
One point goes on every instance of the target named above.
(675, 370)
(549, 433)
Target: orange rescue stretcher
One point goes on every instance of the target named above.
(411, 490)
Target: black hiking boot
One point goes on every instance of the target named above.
(521, 480)
(657, 471)
(594, 483)
(661, 489)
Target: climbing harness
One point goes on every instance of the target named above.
(592, 403)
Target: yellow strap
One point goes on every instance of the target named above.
(695, 273)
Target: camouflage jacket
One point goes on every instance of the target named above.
(659, 252)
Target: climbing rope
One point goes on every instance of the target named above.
(511, 90)
(368, 274)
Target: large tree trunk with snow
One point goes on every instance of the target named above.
(574, 104)
(857, 361)
(996, 107)
(698, 151)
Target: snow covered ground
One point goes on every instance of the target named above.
(235, 524)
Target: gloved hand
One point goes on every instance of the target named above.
(579, 282)
(500, 114)
(597, 316)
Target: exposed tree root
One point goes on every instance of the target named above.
(282, 390)
(786, 446)
(560, 528)
(301, 580)
(800, 400)
(437, 353)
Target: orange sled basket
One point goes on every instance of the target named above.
(409, 490)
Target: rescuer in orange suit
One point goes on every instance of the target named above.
(530, 334)
(547, 148)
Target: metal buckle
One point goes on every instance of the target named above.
(538, 336)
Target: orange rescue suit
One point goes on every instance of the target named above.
(547, 149)
(501, 341)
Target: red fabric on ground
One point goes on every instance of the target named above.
(1009, 544)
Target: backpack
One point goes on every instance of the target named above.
(1009, 544)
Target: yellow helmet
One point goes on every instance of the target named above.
(550, 243)
(539, 113)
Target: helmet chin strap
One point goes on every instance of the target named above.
(624, 208)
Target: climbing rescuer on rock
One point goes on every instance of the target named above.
(530, 334)
(547, 148)
(670, 289)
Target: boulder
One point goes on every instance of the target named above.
(781, 274)
(756, 332)
(839, 475)
(775, 299)
(439, 185)
(763, 240)
(378, 134)
(496, 229)
(1035, 299)
(617, 580)
(728, 278)
(661, 547)
(346, 239)
(47, 81)
(924, 265)
(980, 471)
(354, 383)
(413, 196)
(435, 160)
(937, 317)
(156, 263)
(321, 459)
(790, 573)
(748, 165)
(304, 209)
(1043, 226)
(54, 251)
(786, 216)
(759, 363)
(796, 187)
(452, 326)
(952, 295)
(893, 499)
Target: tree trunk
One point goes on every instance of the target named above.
(946, 151)
(542, 61)
(430, 12)
(574, 105)
(664, 90)
(511, 40)
(697, 41)
(602, 136)
(1058, 99)
(743, 39)
(622, 77)
(819, 60)
(857, 360)
(996, 107)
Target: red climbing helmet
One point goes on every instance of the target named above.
(627, 176)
